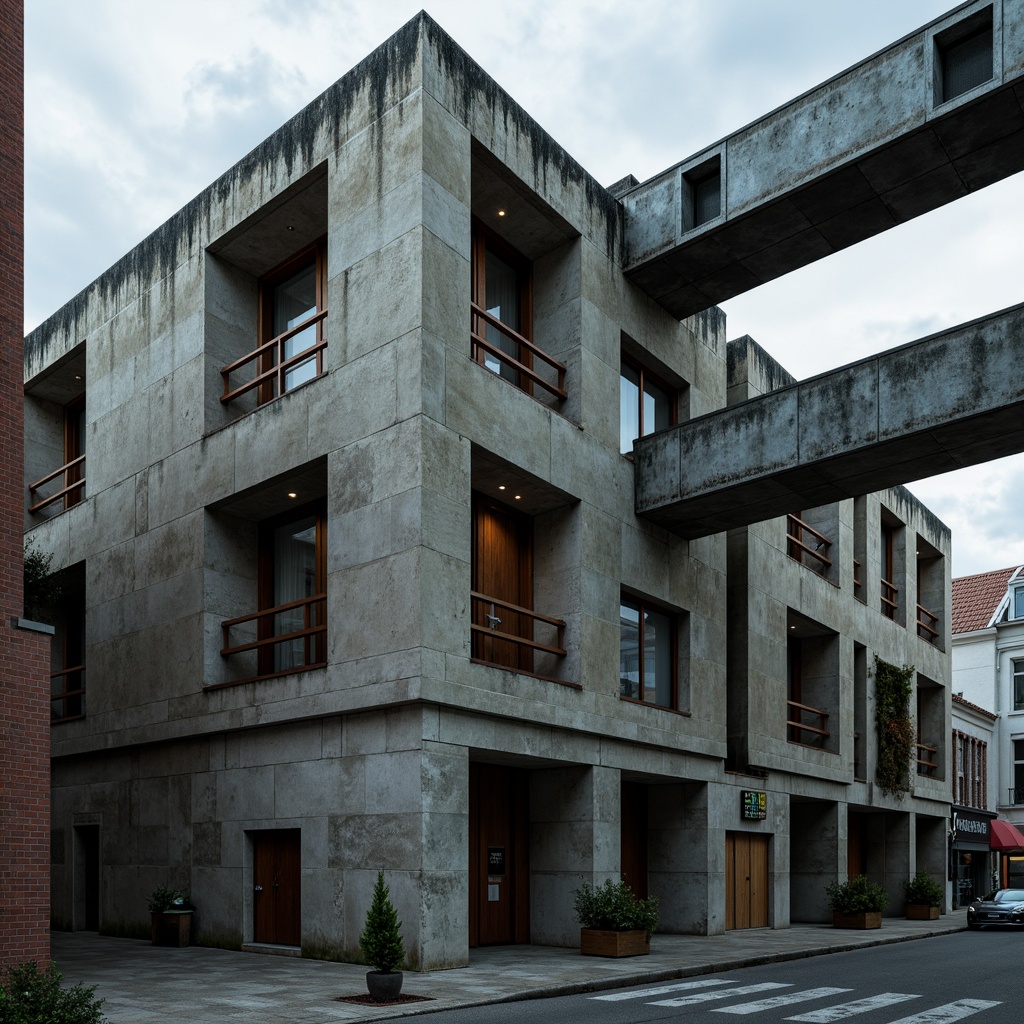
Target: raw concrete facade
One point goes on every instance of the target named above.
(405, 720)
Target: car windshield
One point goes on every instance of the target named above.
(1006, 896)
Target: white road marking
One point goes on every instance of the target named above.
(774, 1002)
(704, 997)
(661, 990)
(951, 1011)
(851, 1009)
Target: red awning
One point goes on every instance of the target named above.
(1003, 836)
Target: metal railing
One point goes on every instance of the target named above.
(805, 540)
(313, 635)
(927, 630)
(1016, 795)
(74, 481)
(797, 727)
(927, 763)
(63, 712)
(274, 351)
(519, 627)
(524, 348)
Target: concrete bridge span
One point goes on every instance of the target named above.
(950, 400)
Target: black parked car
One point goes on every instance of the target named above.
(1003, 906)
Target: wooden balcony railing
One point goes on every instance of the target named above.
(927, 764)
(858, 758)
(927, 623)
(890, 597)
(502, 622)
(525, 349)
(71, 489)
(273, 351)
(805, 540)
(856, 572)
(68, 703)
(312, 634)
(799, 731)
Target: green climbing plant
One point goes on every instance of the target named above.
(893, 688)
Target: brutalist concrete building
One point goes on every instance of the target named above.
(338, 469)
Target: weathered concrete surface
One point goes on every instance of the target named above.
(947, 401)
(867, 150)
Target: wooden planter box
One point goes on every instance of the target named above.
(596, 942)
(173, 928)
(858, 919)
(920, 912)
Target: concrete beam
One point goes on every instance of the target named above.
(947, 401)
(871, 148)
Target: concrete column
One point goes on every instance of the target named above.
(899, 848)
(574, 838)
(815, 830)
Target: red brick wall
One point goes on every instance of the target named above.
(24, 656)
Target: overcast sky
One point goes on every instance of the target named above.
(133, 108)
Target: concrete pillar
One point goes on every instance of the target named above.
(899, 847)
(815, 830)
(574, 838)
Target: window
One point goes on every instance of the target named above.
(1018, 684)
(67, 649)
(71, 476)
(292, 314)
(1018, 603)
(965, 59)
(646, 404)
(1017, 793)
(647, 653)
(890, 592)
(704, 184)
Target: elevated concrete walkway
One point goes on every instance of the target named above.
(871, 148)
(144, 983)
(951, 400)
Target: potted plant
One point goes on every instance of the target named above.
(381, 943)
(614, 921)
(924, 897)
(857, 903)
(170, 917)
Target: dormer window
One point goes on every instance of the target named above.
(1018, 603)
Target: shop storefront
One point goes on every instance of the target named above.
(972, 865)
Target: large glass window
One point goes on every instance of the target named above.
(646, 404)
(1018, 771)
(647, 653)
(1018, 603)
(1018, 684)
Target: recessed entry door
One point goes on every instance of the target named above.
(277, 897)
(499, 899)
(746, 880)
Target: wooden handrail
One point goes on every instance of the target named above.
(889, 594)
(281, 365)
(514, 638)
(307, 630)
(68, 488)
(931, 632)
(66, 672)
(795, 529)
(856, 572)
(794, 720)
(480, 344)
(925, 766)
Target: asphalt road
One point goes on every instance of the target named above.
(966, 976)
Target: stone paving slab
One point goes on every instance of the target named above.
(142, 983)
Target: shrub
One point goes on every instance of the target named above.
(29, 995)
(856, 896)
(615, 907)
(923, 890)
(381, 940)
(43, 588)
(162, 899)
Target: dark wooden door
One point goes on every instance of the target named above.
(277, 897)
(501, 571)
(499, 871)
(633, 819)
(746, 880)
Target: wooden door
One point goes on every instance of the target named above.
(633, 843)
(746, 880)
(277, 899)
(499, 871)
(502, 570)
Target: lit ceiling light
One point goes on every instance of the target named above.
(518, 496)
(293, 494)
(501, 213)
(501, 487)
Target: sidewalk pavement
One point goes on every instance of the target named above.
(142, 983)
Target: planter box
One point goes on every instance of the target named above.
(172, 928)
(858, 919)
(596, 942)
(919, 912)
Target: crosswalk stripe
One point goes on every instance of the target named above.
(704, 997)
(774, 1002)
(950, 1011)
(661, 990)
(833, 1013)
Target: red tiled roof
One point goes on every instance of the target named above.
(957, 699)
(975, 598)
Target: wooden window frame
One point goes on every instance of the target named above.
(274, 384)
(890, 603)
(640, 604)
(316, 646)
(645, 375)
(1018, 672)
(72, 673)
